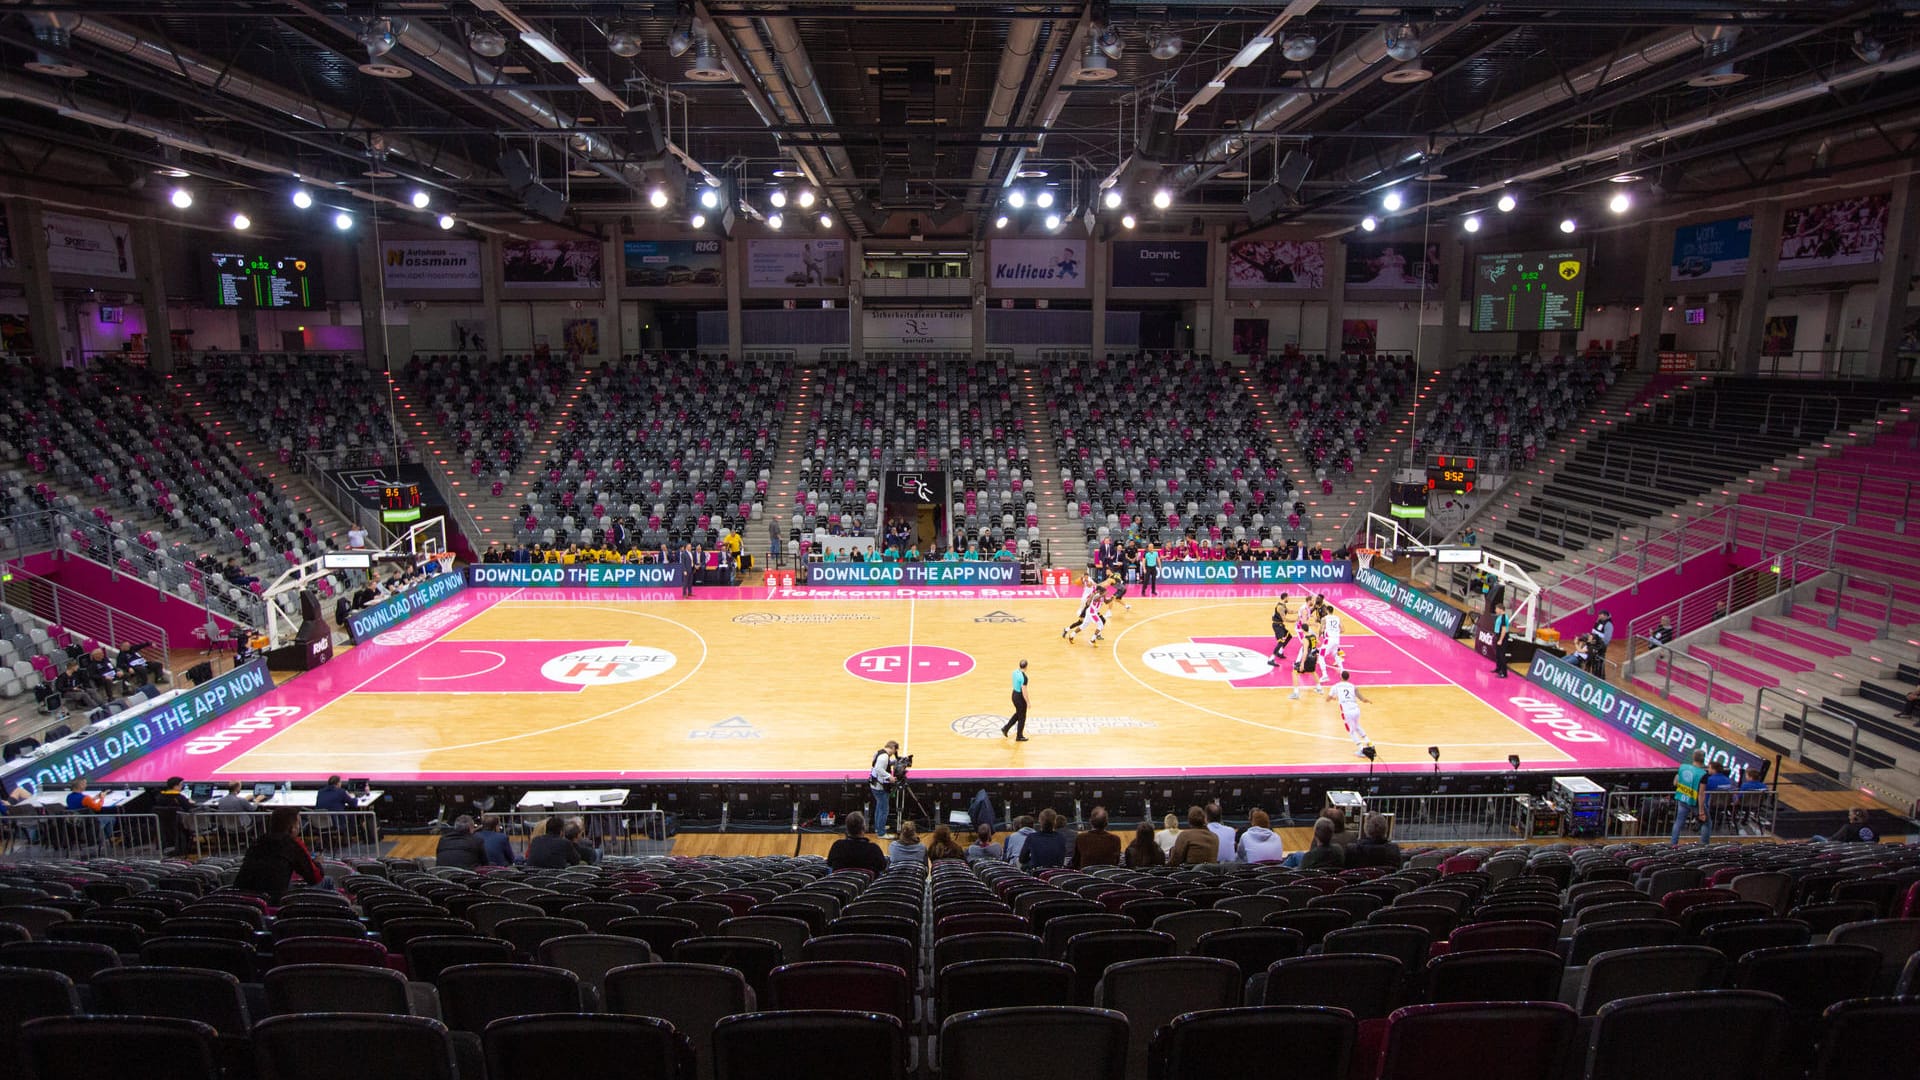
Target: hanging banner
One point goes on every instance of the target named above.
(673, 264)
(1844, 232)
(550, 264)
(1159, 264)
(1711, 249)
(88, 246)
(820, 263)
(1277, 264)
(430, 264)
(940, 328)
(1037, 264)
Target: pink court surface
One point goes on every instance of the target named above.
(754, 683)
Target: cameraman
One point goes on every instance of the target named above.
(880, 782)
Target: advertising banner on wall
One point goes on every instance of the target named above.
(1711, 249)
(127, 738)
(1844, 232)
(550, 264)
(1038, 264)
(1277, 264)
(1274, 572)
(595, 576)
(938, 328)
(1441, 616)
(1648, 724)
(931, 575)
(674, 264)
(820, 263)
(1392, 265)
(368, 621)
(1159, 264)
(90, 246)
(430, 264)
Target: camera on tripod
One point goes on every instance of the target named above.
(900, 767)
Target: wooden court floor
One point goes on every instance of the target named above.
(545, 687)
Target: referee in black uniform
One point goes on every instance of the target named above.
(1018, 721)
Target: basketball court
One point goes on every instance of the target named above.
(763, 684)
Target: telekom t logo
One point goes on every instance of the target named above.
(880, 664)
(909, 664)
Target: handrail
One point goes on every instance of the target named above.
(1723, 594)
(75, 611)
(58, 537)
(1800, 747)
(1673, 656)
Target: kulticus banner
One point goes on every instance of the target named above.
(1650, 724)
(657, 575)
(1442, 616)
(391, 612)
(129, 739)
(1272, 572)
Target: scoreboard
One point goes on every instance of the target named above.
(1452, 474)
(1530, 291)
(399, 503)
(258, 280)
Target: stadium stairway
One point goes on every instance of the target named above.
(1063, 539)
(1328, 517)
(784, 486)
(328, 520)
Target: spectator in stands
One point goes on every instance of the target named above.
(856, 850)
(498, 847)
(459, 846)
(983, 848)
(551, 850)
(1022, 829)
(1856, 831)
(274, 860)
(175, 813)
(1229, 846)
(1169, 832)
(1373, 848)
(1323, 852)
(1045, 847)
(944, 846)
(46, 695)
(75, 688)
(1663, 634)
(357, 538)
(1260, 843)
(1096, 846)
(1686, 795)
(1145, 849)
(1912, 703)
(1196, 843)
(907, 850)
(576, 834)
(130, 666)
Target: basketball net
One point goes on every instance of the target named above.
(1364, 557)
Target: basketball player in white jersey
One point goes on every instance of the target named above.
(1097, 618)
(1330, 638)
(1087, 602)
(1348, 697)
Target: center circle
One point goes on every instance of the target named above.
(1206, 663)
(903, 664)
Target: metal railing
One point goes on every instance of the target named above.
(1770, 576)
(54, 531)
(86, 617)
(1885, 599)
(1727, 813)
(1814, 363)
(1448, 818)
(28, 836)
(1828, 482)
(613, 833)
(1674, 659)
(341, 834)
(1795, 711)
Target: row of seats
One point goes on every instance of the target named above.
(1518, 404)
(331, 408)
(1334, 408)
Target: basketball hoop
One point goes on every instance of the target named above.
(1364, 557)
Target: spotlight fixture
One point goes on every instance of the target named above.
(805, 198)
(343, 221)
(1111, 199)
(624, 41)
(1016, 198)
(1044, 200)
(1127, 221)
(1402, 43)
(1392, 201)
(709, 198)
(242, 222)
(1472, 223)
(826, 220)
(657, 198)
(1094, 66)
(1162, 199)
(778, 198)
(679, 40)
(1620, 203)
(1111, 43)
(1000, 222)
(1053, 222)
(377, 37)
(420, 200)
(181, 198)
(699, 220)
(1867, 47)
(1368, 224)
(1165, 46)
(1506, 203)
(488, 42)
(301, 199)
(1567, 225)
(446, 221)
(1299, 48)
(775, 220)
